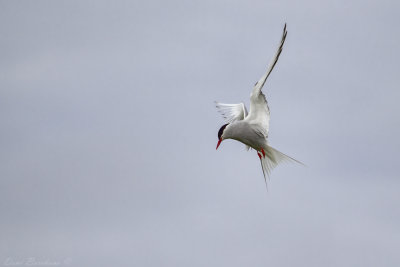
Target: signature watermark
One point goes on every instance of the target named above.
(33, 261)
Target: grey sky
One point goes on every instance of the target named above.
(108, 133)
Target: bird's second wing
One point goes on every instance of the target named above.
(259, 110)
(232, 112)
(259, 85)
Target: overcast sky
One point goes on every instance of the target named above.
(108, 133)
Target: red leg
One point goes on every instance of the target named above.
(259, 155)
(263, 152)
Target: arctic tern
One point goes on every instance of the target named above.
(251, 128)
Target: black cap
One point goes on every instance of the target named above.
(221, 130)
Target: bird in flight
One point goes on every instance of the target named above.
(251, 128)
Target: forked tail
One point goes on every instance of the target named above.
(272, 158)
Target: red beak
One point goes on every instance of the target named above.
(219, 142)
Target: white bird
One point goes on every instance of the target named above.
(251, 128)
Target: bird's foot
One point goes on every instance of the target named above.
(259, 155)
(263, 152)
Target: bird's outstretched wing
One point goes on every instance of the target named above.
(259, 110)
(271, 66)
(232, 112)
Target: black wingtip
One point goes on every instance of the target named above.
(284, 33)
